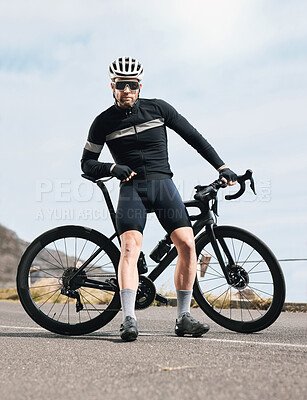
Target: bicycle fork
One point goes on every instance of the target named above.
(214, 243)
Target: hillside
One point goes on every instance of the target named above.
(11, 249)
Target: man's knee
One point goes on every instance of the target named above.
(131, 243)
(183, 239)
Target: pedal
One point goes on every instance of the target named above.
(161, 299)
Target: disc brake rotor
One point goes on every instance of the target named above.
(239, 277)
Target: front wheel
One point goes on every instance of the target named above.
(44, 274)
(254, 298)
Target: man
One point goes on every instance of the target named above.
(135, 131)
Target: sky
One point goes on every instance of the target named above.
(235, 69)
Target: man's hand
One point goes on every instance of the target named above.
(122, 172)
(228, 176)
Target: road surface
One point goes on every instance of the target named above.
(37, 364)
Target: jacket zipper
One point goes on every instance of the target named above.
(141, 151)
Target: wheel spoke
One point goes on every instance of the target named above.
(48, 273)
(259, 272)
(208, 291)
(248, 257)
(234, 251)
(210, 273)
(98, 266)
(62, 309)
(210, 279)
(40, 286)
(215, 300)
(237, 262)
(54, 303)
(222, 276)
(89, 301)
(61, 262)
(221, 309)
(44, 294)
(84, 302)
(249, 302)
(269, 294)
(66, 255)
(81, 252)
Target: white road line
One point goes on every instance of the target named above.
(21, 327)
(302, 346)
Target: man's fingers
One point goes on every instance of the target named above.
(130, 176)
(230, 183)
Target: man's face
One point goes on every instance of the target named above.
(127, 97)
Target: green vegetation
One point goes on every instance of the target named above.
(9, 294)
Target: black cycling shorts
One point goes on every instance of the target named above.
(136, 198)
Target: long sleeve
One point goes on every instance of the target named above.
(180, 125)
(93, 147)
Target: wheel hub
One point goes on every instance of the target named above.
(74, 283)
(239, 277)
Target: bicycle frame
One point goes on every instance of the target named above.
(204, 219)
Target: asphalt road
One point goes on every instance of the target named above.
(37, 364)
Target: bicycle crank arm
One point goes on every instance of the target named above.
(161, 299)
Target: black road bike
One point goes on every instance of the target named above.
(67, 277)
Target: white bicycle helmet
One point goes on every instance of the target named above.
(126, 67)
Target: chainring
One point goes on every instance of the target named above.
(146, 293)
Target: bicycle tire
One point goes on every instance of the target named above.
(41, 272)
(232, 307)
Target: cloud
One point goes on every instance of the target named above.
(236, 69)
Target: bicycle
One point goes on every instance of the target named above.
(67, 277)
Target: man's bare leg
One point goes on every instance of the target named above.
(185, 273)
(131, 243)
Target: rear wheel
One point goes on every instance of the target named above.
(44, 273)
(255, 297)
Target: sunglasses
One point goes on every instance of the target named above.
(121, 85)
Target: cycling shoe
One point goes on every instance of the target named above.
(129, 329)
(187, 325)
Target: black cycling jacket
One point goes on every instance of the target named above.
(137, 138)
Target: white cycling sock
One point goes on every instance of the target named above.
(183, 301)
(127, 298)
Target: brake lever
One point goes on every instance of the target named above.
(241, 180)
(214, 207)
(252, 185)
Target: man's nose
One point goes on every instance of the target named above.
(127, 89)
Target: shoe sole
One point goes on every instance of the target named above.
(194, 334)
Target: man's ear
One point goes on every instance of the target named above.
(112, 86)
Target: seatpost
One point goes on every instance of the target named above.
(108, 200)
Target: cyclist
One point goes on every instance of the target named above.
(134, 130)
